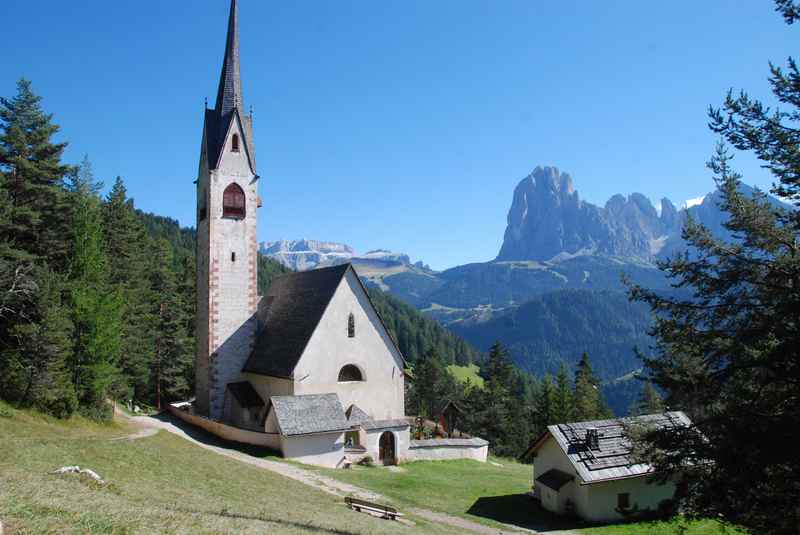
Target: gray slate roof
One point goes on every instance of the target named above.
(296, 303)
(371, 425)
(245, 394)
(230, 100)
(307, 414)
(613, 458)
(555, 479)
(355, 416)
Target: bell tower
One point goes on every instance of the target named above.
(227, 250)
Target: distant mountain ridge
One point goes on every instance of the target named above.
(304, 254)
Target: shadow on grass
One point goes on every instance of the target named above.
(522, 511)
(201, 435)
(270, 520)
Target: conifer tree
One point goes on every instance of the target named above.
(563, 406)
(127, 249)
(96, 305)
(34, 369)
(730, 355)
(649, 401)
(588, 399)
(37, 222)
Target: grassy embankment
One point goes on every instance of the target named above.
(489, 494)
(159, 484)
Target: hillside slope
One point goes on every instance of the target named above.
(157, 484)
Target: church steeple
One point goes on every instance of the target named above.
(228, 113)
(229, 94)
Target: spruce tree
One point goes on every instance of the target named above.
(649, 401)
(563, 407)
(127, 248)
(34, 369)
(96, 305)
(730, 354)
(37, 221)
(588, 399)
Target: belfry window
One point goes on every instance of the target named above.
(233, 202)
(349, 374)
(351, 326)
(235, 143)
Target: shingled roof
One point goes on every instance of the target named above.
(296, 303)
(308, 414)
(230, 100)
(611, 458)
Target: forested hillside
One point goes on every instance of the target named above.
(559, 326)
(417, 334)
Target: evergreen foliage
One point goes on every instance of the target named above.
(417, 335)
(730, 356)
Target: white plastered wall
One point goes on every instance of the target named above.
(548, 457)
(325, 449)
(600, 499)
(381, 394)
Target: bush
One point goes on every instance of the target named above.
(367, 460)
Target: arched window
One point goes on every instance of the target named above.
(351, 326)
(233, 202)
(350, 373)
(235, 143)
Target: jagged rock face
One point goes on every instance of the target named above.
(547, 221)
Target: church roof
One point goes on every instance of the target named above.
(229, 93)
(296, 303)
(245, 394)
(230, 100)
(308, 414)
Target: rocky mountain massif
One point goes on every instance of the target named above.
(555, 289)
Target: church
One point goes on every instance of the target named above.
(309, 369)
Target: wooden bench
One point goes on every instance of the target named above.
(362, 505)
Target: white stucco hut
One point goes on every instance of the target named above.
(587, 469)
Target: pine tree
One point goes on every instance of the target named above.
(33, 371)
(563, 407)
(730, 355)
(127, 249)
(173, 357)
(96, 306)
(649, 401)
(37, 222)
(588, 400)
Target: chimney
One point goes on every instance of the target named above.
(592, 438)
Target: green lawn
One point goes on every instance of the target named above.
(160, 484)
(464, 373)
(487, 493)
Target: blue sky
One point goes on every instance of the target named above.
(400, 125)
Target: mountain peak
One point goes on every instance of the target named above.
(548, 220)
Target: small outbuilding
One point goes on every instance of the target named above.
(587, 469)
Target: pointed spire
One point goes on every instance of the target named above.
(229, 94)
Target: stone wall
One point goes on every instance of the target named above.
(448, 449)
(228, 432)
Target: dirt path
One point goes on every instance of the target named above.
(317, 481)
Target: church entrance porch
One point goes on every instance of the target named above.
(386, 452)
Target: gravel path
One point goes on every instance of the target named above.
(320, 482)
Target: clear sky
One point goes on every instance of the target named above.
(399, 125)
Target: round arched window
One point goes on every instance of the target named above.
(349, 374)
(233, 202)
